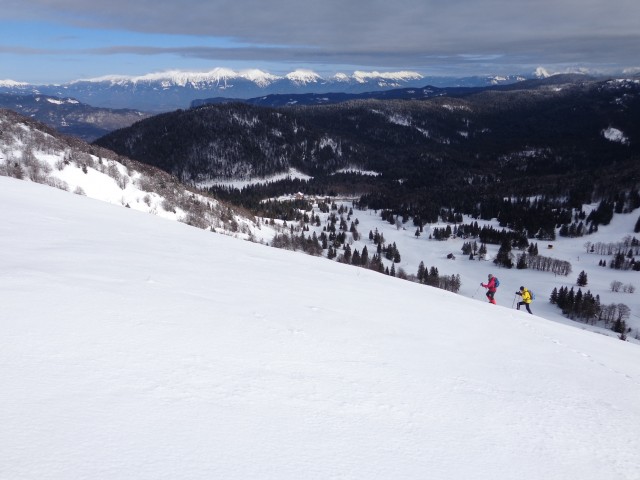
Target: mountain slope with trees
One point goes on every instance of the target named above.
(31, 151)
(563, 140)
(69, 116)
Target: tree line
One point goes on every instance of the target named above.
(586, 307)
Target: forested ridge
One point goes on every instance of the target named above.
(564, 143)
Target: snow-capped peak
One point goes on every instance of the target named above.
(302, 76)
(542, 72)
(363, 77)
(12, 83)
(183, 78)
(341, 77)
(257, 76)
(260, 78)
(180, 78)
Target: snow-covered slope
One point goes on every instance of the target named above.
(133, 347)
(31, 151)
(435, 253)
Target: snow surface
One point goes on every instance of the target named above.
(614, 135)
(136, 347)
(12, 83)
(303, 76)
(57, 101)
(362, 77)
(292, 173)
(360, 171)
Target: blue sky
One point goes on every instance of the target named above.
(55, 41)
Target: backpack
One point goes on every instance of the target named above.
(496, 282)
(533, 295)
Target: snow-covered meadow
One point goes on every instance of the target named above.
(136, 347)
(432, 252)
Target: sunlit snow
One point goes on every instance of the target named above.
(615, 135)
(136, 347)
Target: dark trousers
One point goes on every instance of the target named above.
(526, 305)
(490, 295)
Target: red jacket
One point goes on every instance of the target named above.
(491, 284)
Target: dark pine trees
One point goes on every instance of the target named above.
(582, 279)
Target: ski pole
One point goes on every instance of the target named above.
(474, 295)
(514, 300)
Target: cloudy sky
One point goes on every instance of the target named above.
(43, 41)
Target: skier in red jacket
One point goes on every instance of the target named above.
(491, 288)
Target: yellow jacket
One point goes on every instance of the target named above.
(526, 296)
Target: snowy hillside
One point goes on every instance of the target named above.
(33, 154)
(31, 151)
(434, 253)
(135, 347)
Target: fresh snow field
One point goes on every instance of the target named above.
(134, 347)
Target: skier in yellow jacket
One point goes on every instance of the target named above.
(526, 299)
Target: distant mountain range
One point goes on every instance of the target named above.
(410, 93)
(169, 91)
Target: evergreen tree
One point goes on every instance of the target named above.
(421, 272)
(562, 298)
(347, 254)
(569, 302)
(448, 232)
(364, 256)
(432, 277)
(522, 262)
(564, 231)
(355, 258)
(618, 261)
(582, 279)
(503, 258)
(577, 304)
(554, 296)
(620, 326)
